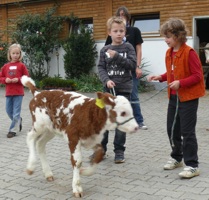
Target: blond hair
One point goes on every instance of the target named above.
(117, 20)
(176, 27)
(12, 47)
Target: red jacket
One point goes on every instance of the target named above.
(182, 72)
(13, 70)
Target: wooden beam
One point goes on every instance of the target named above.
(4, 22)
(108, 9)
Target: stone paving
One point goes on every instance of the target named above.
(141, 177)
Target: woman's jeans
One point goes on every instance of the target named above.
(13, 109)
(135, 100)
(184, 136)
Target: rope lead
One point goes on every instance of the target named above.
(174, 121)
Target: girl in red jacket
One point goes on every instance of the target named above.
(10, 74)
(185, 80)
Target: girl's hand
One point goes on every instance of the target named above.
(8, 80)
(174, 85)
(154, 78)
(110, 84)
(14, 80)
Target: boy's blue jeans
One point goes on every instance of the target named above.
(13, 109)
(135, 100)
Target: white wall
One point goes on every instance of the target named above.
(57, 62)
(153, 51)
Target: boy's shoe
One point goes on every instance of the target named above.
(11, 134)
(20, 126)
(142, 126)
(119, 157)
(172, 164)
(189, 172)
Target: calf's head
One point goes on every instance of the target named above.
(120, 113)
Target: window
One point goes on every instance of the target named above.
(88, 23)
(75, 25)
(149, 24)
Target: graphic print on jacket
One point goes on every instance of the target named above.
(114, 69)
(12, 71)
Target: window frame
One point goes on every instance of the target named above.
(88, 21)
(84, 21)
(150, 16)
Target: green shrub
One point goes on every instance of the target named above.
(80, 50)
(143, 85)
(38, 34)
(57, 83)
(88, 83)
(3, 53)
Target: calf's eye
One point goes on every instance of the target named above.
(123, 114)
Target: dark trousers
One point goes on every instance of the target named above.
(184, 136)
(120, 137)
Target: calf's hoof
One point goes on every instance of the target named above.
(78, 195)
(29, 172)
(50, 178)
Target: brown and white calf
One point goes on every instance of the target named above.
(80, 120)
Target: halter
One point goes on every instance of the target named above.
(119, 124)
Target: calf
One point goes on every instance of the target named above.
(80, 120)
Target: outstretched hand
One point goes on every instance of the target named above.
(154, 78)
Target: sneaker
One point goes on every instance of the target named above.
(172, 164)
(189, 172)
(11, 134)
(119, 157)
(142, 126)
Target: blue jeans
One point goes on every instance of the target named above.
(135, 100)
(119, 140)
(13, 109)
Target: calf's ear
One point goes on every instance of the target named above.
(107, 98)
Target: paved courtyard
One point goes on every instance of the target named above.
(141, 177)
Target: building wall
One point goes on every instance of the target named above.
(82, 9)
(100, 10)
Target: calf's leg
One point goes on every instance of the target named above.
(31, 140)
(76, 160)
(97, 158)
(41, 148)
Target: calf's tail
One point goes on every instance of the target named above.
(29, 83)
